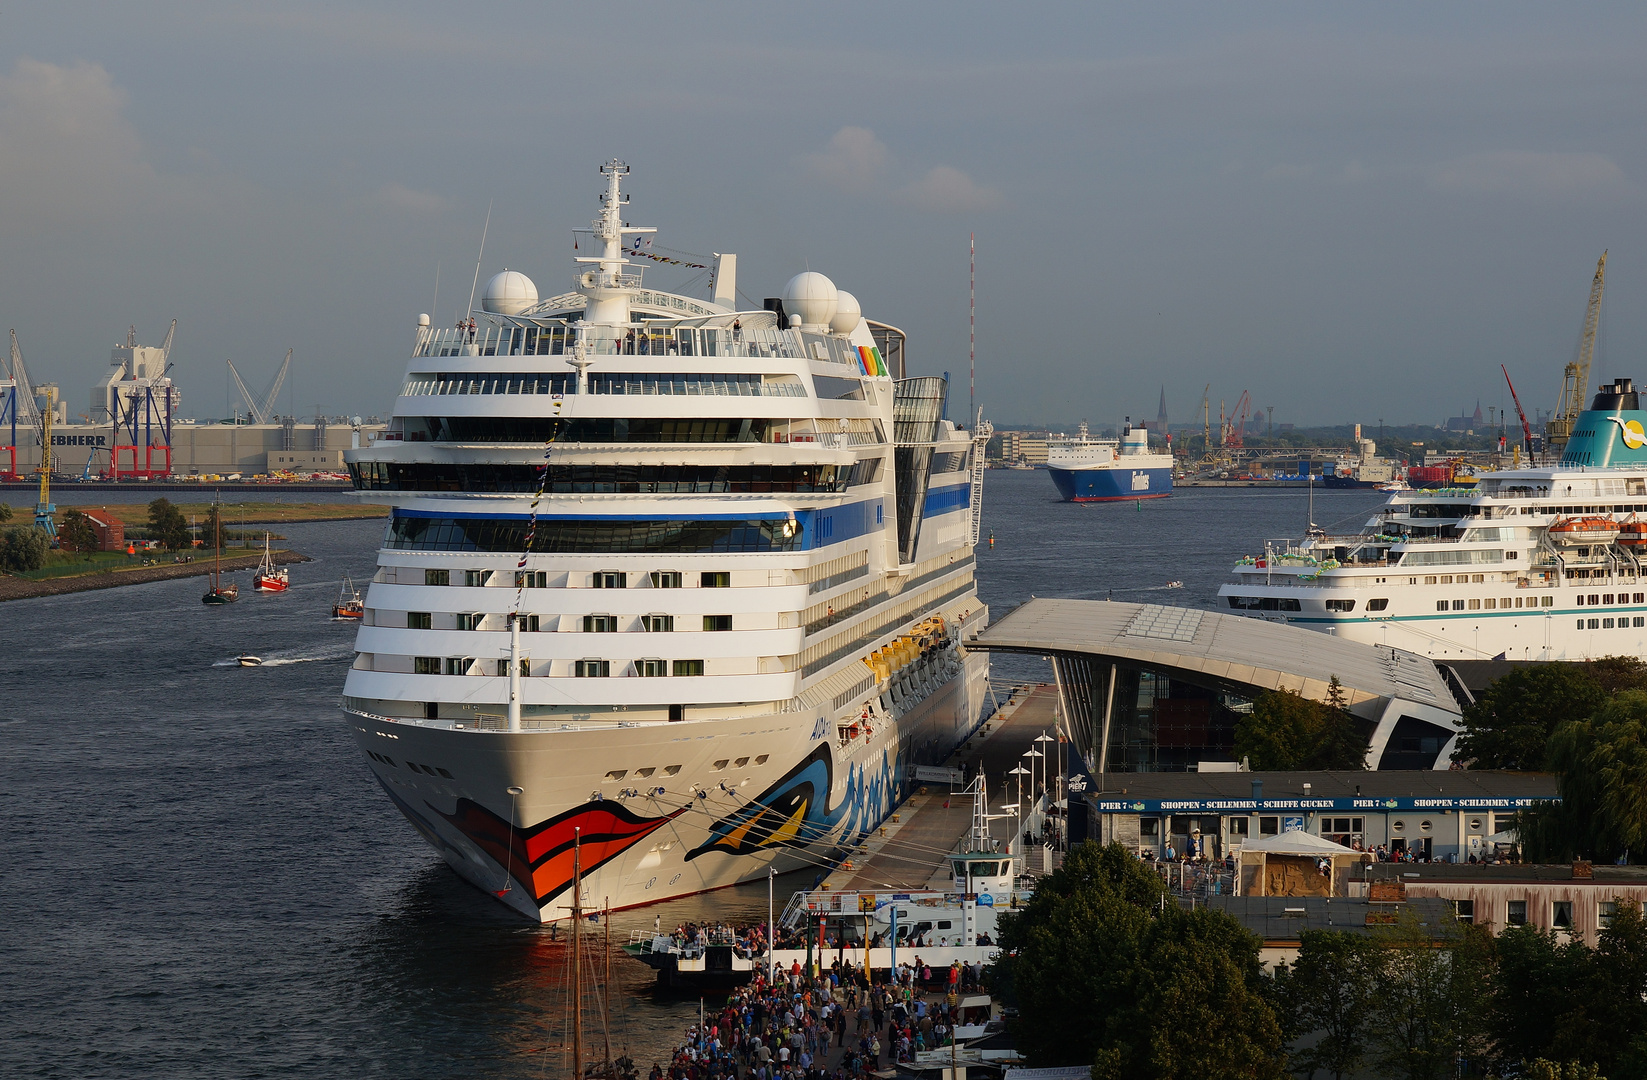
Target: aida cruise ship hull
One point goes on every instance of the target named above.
(1536, 564)
(671, 592)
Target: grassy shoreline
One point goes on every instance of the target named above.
(20, 588)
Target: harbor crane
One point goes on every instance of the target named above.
(1236, 434)
(1526, 428)
(262, 407)
(1575, 378)
(40, 419)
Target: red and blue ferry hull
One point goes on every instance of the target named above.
(1119, 484)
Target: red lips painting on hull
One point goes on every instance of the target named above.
(544, 851)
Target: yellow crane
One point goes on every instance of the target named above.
(1575, 379)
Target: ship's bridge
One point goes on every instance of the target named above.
(1146, 688)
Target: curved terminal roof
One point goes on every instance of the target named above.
(1229, 648)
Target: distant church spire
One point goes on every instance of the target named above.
(1161, 413)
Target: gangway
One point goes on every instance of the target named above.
(981, 431)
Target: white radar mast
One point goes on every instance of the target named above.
(607, 286)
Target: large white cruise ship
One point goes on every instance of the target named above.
(678, 584)
(1531, 564)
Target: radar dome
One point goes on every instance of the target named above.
(847, 313)
(509, 293)
(423, 320)
(813, 297)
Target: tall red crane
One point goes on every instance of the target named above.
(1526, 428)
(1238, 417)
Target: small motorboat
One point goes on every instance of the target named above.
(1584, 530)
(269, 577)
(1397, 484)
(349, 604)
(248, 660)
(1174, 585)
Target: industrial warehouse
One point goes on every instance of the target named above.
(133, 429)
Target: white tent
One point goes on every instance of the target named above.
(1295, 864)
(1298, 842)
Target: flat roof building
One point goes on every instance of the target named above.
(1147, 688)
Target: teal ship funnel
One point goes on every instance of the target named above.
(1612, 432)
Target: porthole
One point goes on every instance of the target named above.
(1423, 826)
(740, 763)
(721, 764)
(644, 773)
(1475, 824)
(671, 770)
(1398, 826)
(761, 760)
(617, 774)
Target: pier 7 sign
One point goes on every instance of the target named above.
(1261, 806)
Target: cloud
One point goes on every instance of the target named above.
(67, 152)
(853, 160)
(1529, 173)
(949, 190)
(1288, 171)
(401, 197)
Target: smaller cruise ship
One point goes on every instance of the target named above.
(1088, 469)
(1541, 563)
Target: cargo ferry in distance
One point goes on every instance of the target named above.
(674, 585)
(1542, 563)
(1088, 469)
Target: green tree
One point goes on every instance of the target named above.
(168, 525)
(1286, 732)
(1431, 1003)
(24, 548)
(5, 511)
(1601, 767)
(1618, 994)
(1104, 971)
(1330, 990)
(1510, 724)
(1197, 1006)
(76, 533)
(1537, 1006)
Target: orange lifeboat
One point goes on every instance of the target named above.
(1584, 530)
(1632, 534)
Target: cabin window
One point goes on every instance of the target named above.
(1458, 605)
(437, 577)
(1378, 604)
(1607, 598)
(1441, 605)
(600, 624)
(419, 620)
(717, 622)
(1340, 605)
(1546, 601)
(592, 669)
(611, 579)
(1475, 605)
(476, 578)
(470, 622)
(657, 624)
(426, 665)
(666, 579)
(1595, 624)
(458, 665)
(688, 667)
(525, 667)
(531, 579)
(651, 669)
(715, 579)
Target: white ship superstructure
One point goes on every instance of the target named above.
(1529, 564)
(681, 584)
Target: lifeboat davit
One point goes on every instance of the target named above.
(1632, 534)
(1584, 530)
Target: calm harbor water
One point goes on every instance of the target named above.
(200, 877)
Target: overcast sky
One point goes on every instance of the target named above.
(1353, 211)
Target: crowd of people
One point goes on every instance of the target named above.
(840, 1024)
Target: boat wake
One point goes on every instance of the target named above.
(294, 656)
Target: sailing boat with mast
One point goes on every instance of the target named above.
(219, 593)
(607, 1068)
(269, 577)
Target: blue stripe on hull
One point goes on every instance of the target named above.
(1109, 485)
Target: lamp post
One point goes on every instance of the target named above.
(1032, 755)
(1020, 772)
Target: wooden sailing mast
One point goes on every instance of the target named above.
(577, 956)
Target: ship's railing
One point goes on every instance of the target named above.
(491, 338)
